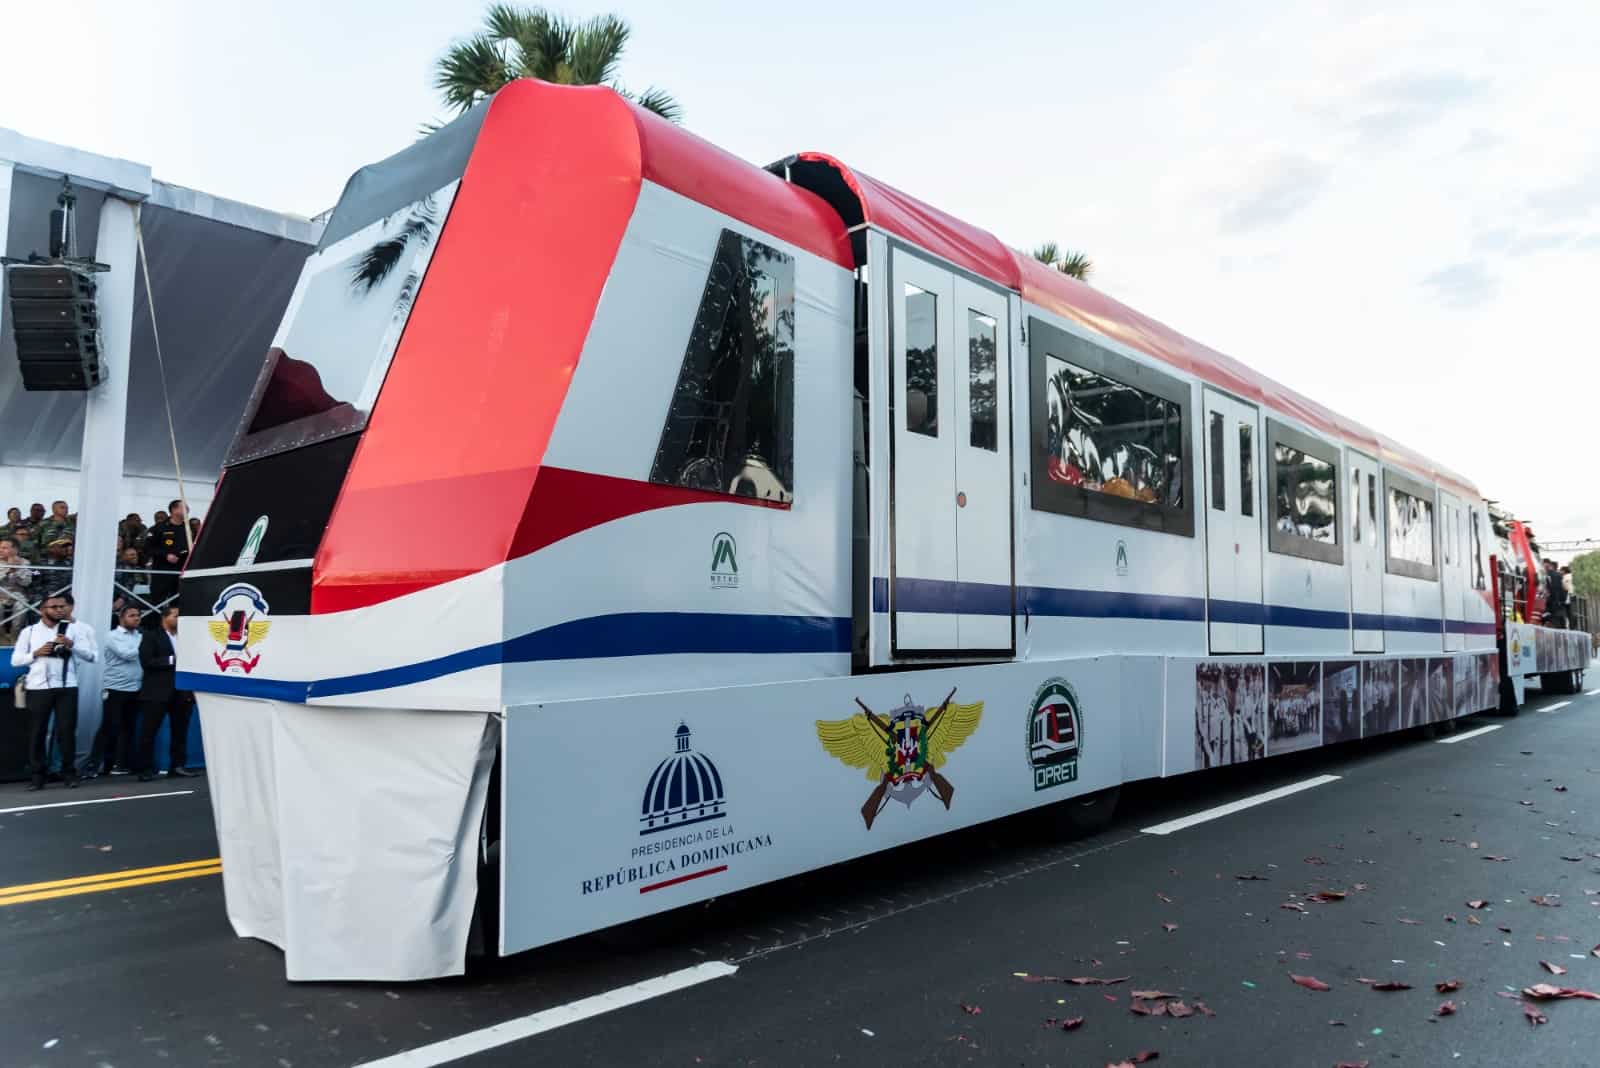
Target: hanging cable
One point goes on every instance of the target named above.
(161, 365)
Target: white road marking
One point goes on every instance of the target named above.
(1557, 707)
(1453, 739)
(93, 801)
(1237, 806)
(473, 1042)
(1590, 693)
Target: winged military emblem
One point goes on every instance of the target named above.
(903, 750)
(239, 623)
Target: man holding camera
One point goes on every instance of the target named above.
(51, 650)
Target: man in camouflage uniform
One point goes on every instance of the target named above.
(58, 526)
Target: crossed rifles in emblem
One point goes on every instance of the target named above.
(868, 741)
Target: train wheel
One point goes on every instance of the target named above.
(1090, 813)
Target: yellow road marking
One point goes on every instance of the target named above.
(126, 873)
(115, 880)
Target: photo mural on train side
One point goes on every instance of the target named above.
(1466, 671)
(1488, 681)
(1295, 709)
(1230, 713)
(1413, 692)
(1441, 676)
(1380, 697)
(1341, 701)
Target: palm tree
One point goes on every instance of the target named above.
(518, 42)
(1076, 264)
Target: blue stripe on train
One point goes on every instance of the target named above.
(623, 634)
(944, 597)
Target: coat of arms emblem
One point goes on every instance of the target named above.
(903, 750)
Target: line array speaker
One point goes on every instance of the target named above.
(56, 324)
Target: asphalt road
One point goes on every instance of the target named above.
(912, 956)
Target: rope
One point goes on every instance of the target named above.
(161, 364)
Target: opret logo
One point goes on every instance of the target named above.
(724, 562)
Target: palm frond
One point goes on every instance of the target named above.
(543, 42)
(597, 48)
(379, 261)
(1077, 265)
(1048, 252)
(657, 100)
(471, 70)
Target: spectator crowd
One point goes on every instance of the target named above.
(36, 556)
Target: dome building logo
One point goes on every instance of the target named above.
(685, 789)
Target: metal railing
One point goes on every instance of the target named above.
(24, 587)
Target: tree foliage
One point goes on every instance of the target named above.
(531, 42)
(1586, 573)
(1075, 264)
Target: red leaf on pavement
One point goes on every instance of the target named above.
(1595, 952)
(1095, 980)
(1310, 982)
(1391, 984)
(970, 1010)
(1414, 923)
(1169, 927)
(1549, 901)
(1446, 1009)
(1547, 992)
(1179, 1009)
(1553, 969)
(1352, 1064)
(1326, 895)
(1072, 1023)
(1153, 995)
(1144, 1055)
(1448, 986)
(1535, 1017)
(1201, 1008)
(1251, 877)
(1293, 906)
(1477, 903)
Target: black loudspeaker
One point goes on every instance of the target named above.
(56, 324)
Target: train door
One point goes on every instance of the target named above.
(1233, 525)
(1366, 556)
(1451, 570)
(951, 589)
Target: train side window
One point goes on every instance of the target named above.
(982, 338)
(922, 362)
(1110, 436)
(1247, 469)
(730, 422)
(1219, 469)
(1480, 580)
(1372, 503)
(1355, 510)
(1305, 494)
(1411, 541)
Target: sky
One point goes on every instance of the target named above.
(1393, 207)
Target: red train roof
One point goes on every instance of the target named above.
(982, 253)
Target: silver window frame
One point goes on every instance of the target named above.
(1426, 493)
(1283, 542)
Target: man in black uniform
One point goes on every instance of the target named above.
(1555, 597)
(160, 699)
(167, 550)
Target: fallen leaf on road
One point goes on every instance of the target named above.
(1153, 995)
(1574, 860)
(1561, 789)
(1315, 860)
(1310, 982)
(1494, 856)
(1163, 897)
(1293, 906)
(1391, 984)
(1549, 901)
(1553, 969)
(1179, 1009)
(1169, 927)
(1413, 923)
(1524, 803)
(1359, 886)
(1071, 1023)
(1595, 952)
(1095, 980)
(970, 1010)
(1326, 895)
(1352, 1064)
(1201, 1008)
(1446, 1009)
(1477, 903)
(1449, 919)
(1502, 927)
(1474, 921)
(1535, 1017)
(1447, 986)
(1547, 992)
(1251, 877)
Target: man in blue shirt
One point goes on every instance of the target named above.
(113, 748)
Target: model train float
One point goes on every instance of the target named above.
(616, 524)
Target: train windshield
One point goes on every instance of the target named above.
(340, 331)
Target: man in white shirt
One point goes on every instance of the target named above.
(51, 650)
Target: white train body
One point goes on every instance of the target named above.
(709, 511)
